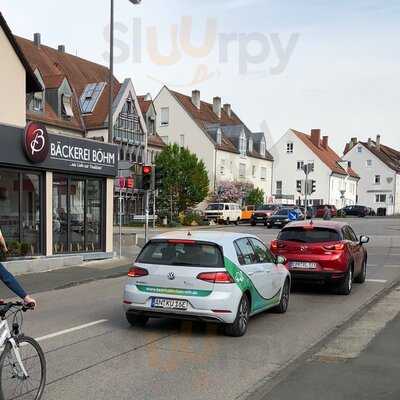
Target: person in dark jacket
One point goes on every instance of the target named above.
(9, 279)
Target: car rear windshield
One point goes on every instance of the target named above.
(183, 253)
(282, 211)
(215, 207)
(266, 207)
(314, 235)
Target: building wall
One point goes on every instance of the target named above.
(349, 185)
(180, 123)
(12, 80)
(228, 170)
(285, 168)
(367, 189)
(397, 196)
(98, 133)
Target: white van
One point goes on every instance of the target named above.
(223, 213)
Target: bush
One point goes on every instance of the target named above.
(193, 219)
(25, 248)
(14, 249)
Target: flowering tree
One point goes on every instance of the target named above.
(231, 192)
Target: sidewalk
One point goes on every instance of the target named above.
(66, 277)
(374, 375)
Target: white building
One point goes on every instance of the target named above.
(217, 136)
(379, 169)
(336, 181)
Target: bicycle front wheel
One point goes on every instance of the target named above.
(13, 382)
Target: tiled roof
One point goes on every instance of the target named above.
(144, 104)
(386, 154)
(155, 140)
(329, 157)
(32, 84)
(54, 66)
(205, 117)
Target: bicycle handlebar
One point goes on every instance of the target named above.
(5, 307)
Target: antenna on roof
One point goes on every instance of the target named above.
(189, 234)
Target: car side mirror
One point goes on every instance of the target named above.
(281, 260)
(364, 239)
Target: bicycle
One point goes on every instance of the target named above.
(22, 361)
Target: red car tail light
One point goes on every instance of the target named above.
(136, 272)
(336, 246)
(215, 277)
(277, 244)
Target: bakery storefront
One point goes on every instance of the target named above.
(56, 192)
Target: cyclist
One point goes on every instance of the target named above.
(9, 279)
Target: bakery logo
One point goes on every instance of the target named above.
(36, 142)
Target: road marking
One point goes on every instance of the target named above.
(376, 280)
(74, 329)
(353, 340)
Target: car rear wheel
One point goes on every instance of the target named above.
(227, 221)
(346, 285)
(237, 221)
(283, 305)
(239, 326)
(136, 319)
(363, 274)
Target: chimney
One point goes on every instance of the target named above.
(217, 106)
(369, 142)
(228, 110)
(325, 142)
(316, 137)
(378, 142)
(37, 40)
(196, 98)
(61, 48)
(147, 97)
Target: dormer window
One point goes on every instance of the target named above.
(262, 147)
(250, 145)
(37, 102)
(219, 136)
(66, 106)
(242, 144)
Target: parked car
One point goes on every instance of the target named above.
(320, 210)
(262, 213)
(247, 213)
(357, 211)
(223, 213)
(220, 277)
(323, 251)
(282, 216)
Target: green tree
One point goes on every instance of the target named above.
(255, 197)
(185, 181)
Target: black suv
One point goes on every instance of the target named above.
(355, 211)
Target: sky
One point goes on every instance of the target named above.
(281, 64)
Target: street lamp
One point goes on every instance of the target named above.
(110, 79)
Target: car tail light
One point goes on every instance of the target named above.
(215, 277)
(336, 246)
(136, 272)
(276, 244)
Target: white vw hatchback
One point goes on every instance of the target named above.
(206, 275)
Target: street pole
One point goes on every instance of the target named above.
(154, 209)
(120, 222)
(111, 76)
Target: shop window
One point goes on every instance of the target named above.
(77, 214)
(20, 209)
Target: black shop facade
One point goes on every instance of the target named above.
(56, 192)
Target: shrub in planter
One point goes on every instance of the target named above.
(14, 249)
(3, 257)
(25, 248)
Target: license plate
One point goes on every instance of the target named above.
(303, 265)
(173, 304)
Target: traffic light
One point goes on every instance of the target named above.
(130, 183)
(299, 186)
(147, 172)
(159, 176)
(313, 186)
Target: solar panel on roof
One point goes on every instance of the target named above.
(90, 96)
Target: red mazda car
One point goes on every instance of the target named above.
(323, 251)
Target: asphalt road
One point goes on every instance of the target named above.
(92, 352)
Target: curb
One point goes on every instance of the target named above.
(267, 384)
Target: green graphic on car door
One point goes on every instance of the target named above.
(245, 283)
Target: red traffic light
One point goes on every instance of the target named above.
(147, 169)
